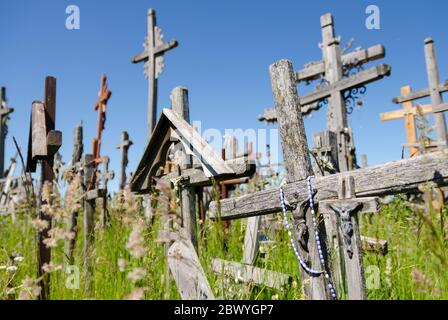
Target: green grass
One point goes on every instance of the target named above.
(414, 268)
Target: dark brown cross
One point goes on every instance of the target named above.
(44, 142)
(124, 146)
(103, 97)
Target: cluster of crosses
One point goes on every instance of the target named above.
(325, 209)
(332, 267)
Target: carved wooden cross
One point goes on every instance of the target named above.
(4, 116)
(100, 105)
(338, 87)
(124, 146)
(44, 142)
(390, 178)
(154, 49)
(434, 91)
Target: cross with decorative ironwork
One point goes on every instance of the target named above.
(154, 49)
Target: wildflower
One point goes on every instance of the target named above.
(135, 244)
(137, 294)
(11, 268)
(3, 267)
(10, 291)
(122, 265)
(421, 280)
(18, 259)
(137, 274)
(30, 290)
(275, 297)
(40, 225)
(50, 267)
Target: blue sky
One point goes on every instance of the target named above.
(225, 49)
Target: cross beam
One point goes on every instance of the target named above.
(154, 49)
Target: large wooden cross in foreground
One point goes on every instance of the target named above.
(349, 193)
(154, 49)
(339, 86)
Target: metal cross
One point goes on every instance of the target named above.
(154, 49)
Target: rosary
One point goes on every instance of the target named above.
(317, 237)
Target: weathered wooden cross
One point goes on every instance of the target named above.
(104, 176)
(437, 106)
(338, 87)
(6, 184)
(4, 117)
(348, 190)
(174, 128)
(100, 105)
(44, 142)
(124, 146)
(153, 56)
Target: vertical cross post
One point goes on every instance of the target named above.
(336, 113)
(432, 70)
(297, 164)
(124, 146)
(89, 218)
(4, 112)
(180, 105)
(72, 225)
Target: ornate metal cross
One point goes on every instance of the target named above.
(154, 49)
(103, 97)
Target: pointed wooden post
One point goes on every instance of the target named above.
(124, 146)
(88, 219)
(296, 161)
(4, 116)
(432, 70)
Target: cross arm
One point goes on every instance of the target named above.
(360, 57)
(6, 111)
(158, 50)
(398, 114)
(361, 78)
(422, 93)
(390, 178)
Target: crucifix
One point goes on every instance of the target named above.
(4, 117)
(100, 105)
(44, 142)
(434, 91)
(301, 194)
(124, 146)
(104, 176)
(153, 56)
(338, 87)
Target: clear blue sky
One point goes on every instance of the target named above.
(225, 50)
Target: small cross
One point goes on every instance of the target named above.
(100, 105)
(124, 147)
(105, 175)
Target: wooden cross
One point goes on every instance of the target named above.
(7, 184)
(154, 50)
(408, 112)
(339, 86)
(44, 142)
(434, 91)
(124, 146)
(174, 128)
(100, 105)
(390, 178)
(104, 177)
(4, 116)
